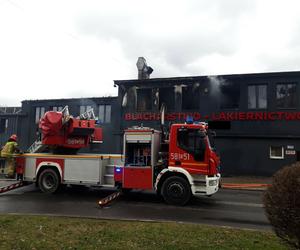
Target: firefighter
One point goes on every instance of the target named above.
(7, 152)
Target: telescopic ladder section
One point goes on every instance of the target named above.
(88, 115)
(66, 115)
(36, 147)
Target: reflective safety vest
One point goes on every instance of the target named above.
(9, 149)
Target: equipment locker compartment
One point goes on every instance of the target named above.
(139, 162)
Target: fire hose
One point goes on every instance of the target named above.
(12, 186)
(106, 200)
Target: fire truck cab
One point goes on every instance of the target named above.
(176, 168)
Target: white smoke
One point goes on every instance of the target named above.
(215, 84)
(178, 89)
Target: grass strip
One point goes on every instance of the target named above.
(44, 232)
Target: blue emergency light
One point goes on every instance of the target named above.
(189, 119)
(118, 169)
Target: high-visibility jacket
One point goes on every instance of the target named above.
(9, 148)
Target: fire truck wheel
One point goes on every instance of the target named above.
(176, 191)
(48, 181)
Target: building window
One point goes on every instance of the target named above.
(3, 125)
(191, 96)
(230, 95)
(83, 109)
(144, 99)
(276, 152)
(57, 108)
(39, 112)
(167, 97)
(286, 96)
(104, 113)
(257, 96)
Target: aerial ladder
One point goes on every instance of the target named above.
(60, 133)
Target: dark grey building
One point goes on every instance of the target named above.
(9, 122)
(105, 108)
(256, 116)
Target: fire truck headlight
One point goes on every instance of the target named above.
(213, 183)
(118, 170)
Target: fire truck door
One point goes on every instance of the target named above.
(137, 177)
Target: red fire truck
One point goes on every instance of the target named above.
(176, 166)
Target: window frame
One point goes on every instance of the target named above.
(39, 112)
(84, 108)
(170, 106)
(106, 113)
(57, 108)
(139, 107)
(190, 97)
(224, 96)
(3, 125)
(276, 157)
(256, 94)
(276, 98)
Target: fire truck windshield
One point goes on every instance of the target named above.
(192, 141)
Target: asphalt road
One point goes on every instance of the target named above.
(236, 208)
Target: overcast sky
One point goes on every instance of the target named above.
(68, 49)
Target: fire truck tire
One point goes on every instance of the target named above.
(176, 191)
(49, 181)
